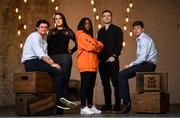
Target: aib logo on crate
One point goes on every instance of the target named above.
(151, 82)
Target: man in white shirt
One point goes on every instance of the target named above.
(145, 62)
(35, 58)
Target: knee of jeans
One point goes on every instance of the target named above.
(58, 73)
(121, 76)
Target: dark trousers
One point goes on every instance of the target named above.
(87, 88)
(40, 65)
(108, 71)
(65, 61)
(129, 73)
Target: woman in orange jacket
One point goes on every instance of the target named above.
(87, 63)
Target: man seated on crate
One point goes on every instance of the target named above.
(145, 62)
(35, 58)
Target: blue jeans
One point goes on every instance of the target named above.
(129, 73)
(65, 61)
(40, 65)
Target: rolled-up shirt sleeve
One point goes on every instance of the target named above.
(143, 49)
(146, 51)
(38, 46)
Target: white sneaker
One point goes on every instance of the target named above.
(95, 110)
(86, 111)
(68, 103)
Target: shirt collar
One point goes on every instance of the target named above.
(108, 27)
(138, 38)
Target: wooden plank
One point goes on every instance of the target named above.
(41, 105)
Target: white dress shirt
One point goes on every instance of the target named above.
(146, 50)
(35, 47)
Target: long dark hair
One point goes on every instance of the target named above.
(65, 25)
(81, 26)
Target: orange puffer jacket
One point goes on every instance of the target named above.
(88, 48)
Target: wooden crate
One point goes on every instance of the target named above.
(33, 82)
(74, 84)
(151, 81)
(150, 102)
(35, 104)
(74, 90)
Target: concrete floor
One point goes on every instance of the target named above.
(174, 112)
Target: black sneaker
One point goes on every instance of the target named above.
(116, 108)
(59, 111)
(125, 108)
(68, 103)
(62, 107)
(106, 108)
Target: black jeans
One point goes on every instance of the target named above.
(87, 88)
(129, 73)
(108, 71)
(40, 65)
(65, 61)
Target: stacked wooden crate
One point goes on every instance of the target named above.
(151, 93)
(74, 90)
(34, 93)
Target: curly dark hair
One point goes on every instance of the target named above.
(140, 23)
(42, 21)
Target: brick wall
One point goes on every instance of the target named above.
(161, 18)
(4, 81)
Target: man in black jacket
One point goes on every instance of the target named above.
(112, 37)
